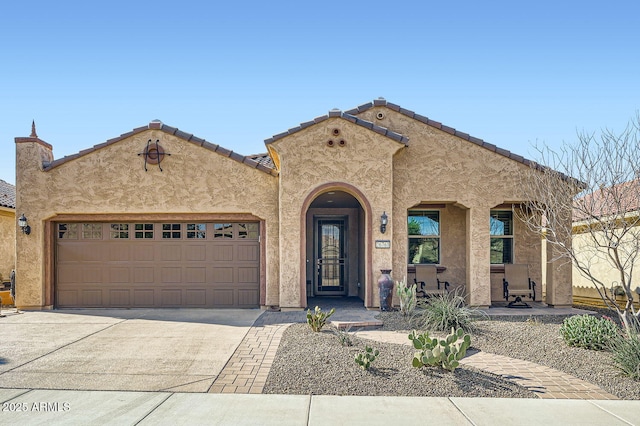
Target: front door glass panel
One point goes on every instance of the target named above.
(331, 256)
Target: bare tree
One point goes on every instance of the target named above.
(600, 231)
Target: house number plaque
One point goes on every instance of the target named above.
(383, 244)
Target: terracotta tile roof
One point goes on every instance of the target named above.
(615, 200)
(439, 126)
(158, 125)
(264, 162)
(264, 159)
(339, 114)
(7, 195)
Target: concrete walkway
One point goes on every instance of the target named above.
(66, 407)
(248, 367)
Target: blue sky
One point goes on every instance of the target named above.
(511, 73)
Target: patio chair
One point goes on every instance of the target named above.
(427, 281)
(517, 284)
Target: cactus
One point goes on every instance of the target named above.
(364, 360)
(445, 353)
(407, 296)
(318, 319)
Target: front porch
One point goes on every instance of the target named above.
(352, 310)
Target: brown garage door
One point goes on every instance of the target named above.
(166, 265)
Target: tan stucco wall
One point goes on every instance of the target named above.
(112, 180)
(7, 241)
(307, 163)
(596, 260)
(441, 168)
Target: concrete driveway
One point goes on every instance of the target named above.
(176, 350)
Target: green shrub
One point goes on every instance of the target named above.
(407, 296)
(589, 332)
(447, 311)
(366, 358)
(317, 319)
(445, 353)
(625, 351)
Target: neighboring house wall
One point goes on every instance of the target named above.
(605, 217)
(596, 259)
(111, 180)
(7, 241)
(7, 229)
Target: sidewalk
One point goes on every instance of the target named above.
(58, 407)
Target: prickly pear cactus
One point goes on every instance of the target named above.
(445, 353)
(317, 319)
(364, 360)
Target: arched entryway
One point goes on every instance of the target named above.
(337, 250)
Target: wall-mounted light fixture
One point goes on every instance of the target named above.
(383, 222)
(24, 225)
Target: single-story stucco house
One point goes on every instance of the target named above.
(7, 229)
(158, 217)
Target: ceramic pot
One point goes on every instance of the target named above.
(385, 286)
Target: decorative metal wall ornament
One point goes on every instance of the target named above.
(153, 154)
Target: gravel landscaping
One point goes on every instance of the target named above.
(316, 363)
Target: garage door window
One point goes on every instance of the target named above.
(171, 231)
(222, 230)
(248, 231)
(68, 231)
(197, 230)
(143, 231)
(119, 230)
(92, 231)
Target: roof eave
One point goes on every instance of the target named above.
(157, 125)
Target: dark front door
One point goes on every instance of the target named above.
(331, 256)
